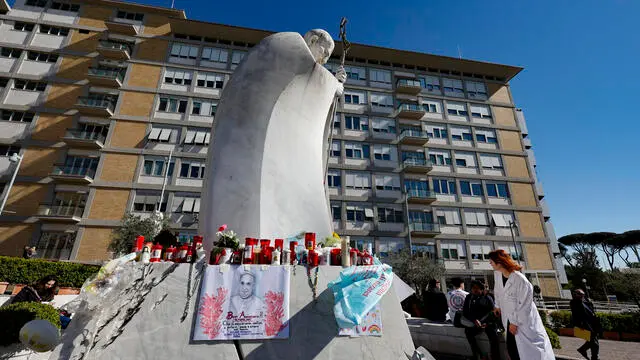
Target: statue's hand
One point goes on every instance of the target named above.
(341, 74)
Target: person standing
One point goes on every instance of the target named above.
(584, 316)
(455, 297)
(435, 302)
(526, 337)
(477, 308)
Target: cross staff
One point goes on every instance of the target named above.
(346, 45)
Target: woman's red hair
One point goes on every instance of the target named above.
(501, 257)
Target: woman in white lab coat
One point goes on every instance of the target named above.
(526, 336)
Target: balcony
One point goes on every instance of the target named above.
(423, 229)
(105, 77)
(413, 137)
(416, 196)
(120, 27)
(408, 86)
(84, 139)
(96, 106)
(76, 175)
(62, 214)
(416, 165)
(410, 111)
(114, 50)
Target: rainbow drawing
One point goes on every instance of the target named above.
(374, 329)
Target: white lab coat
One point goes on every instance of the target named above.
(515, 299)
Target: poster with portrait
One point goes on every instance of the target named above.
(243, 302)
(371, 326)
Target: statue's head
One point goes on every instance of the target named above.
(320, 43)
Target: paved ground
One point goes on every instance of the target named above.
(609, 350)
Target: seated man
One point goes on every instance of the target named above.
(478, 309)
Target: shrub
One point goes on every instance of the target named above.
(26, 271)
(554, 338)
(560, 319)
(14, 317)
(627, 322)
(543, 317)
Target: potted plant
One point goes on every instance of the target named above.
(225, 246)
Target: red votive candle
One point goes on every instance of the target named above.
(310, 241)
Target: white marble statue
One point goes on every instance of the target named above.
(265, 167)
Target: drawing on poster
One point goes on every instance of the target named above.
(243, 302)
(371, 326)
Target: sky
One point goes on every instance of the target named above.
(580, 60)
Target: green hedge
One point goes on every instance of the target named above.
(14, 317)
(26, 271)
(554, 338)
(626, 322)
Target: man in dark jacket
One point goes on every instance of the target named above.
(584, 316)
(478, 309)
(435, 302)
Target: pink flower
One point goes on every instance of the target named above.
(223, 227)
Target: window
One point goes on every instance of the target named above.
(440, 157)
(465, 159)
(8, 115)
(42, 57)
(476, 90)
(8, 150)
(486, 136)
(453, 87)
(358, 180)
(204, 107)
(178, 77)
(380, 76)
(414, 157)
(356, 123)
(430, 83)
(453, 250)
(497, 190)
(459, 109)
(359, 213)
(491, 161)
(480, 250)
(10, 52)
(215, 55)
(384, 152)
(198, 137)
(184, 51)
(163, 135)
(355, 73)
(237, 57)
(502, 219)
(157, 168)
(381, 100)
(444, 186)
(432, 106)
(335, 149)
(460, 134)
(38, 3)
(65, 6)
(210, 80)
(337, 121)
(192, 170)
(334, 179)
(55, 245)
(172, 105)
(437, 131)
(129, 15)
(514, 251)
(480, 111)
(448, 217)
(52, 30)
(336, 212)
(416, 186)
(387, 182)
(471, 188)
(29, 85)
(78, 165)
(356, 150)
(190, 205)
(421, 217)
(390, 215)
(382, 125)
(148, 202)
(476, 217)
(21, 26)
(354, 97)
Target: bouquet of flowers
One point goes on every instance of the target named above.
(227, 238)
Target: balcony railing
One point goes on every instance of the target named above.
(61, 213)
(97, 103)
(408, 86)
(424, 227)
(408, 82)
(112, 45)
(417, 162)
(420, 194)
(74, 171)
(413, 137)
(107, 73)
(410, 107)
(84, 135)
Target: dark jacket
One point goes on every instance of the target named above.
(27, 294)
(435, 305)
(477, 307)
(583, 315)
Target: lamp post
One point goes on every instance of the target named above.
(13, 158)
(513, 225)
(586, 288)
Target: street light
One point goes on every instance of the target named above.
(513, 225)
(586, 288)
(13, 158)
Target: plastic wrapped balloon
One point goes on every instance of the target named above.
(39, 335)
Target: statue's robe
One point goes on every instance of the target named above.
(266, 165)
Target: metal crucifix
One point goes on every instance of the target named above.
(346, 45)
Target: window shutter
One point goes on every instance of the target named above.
(190, 136)
(154, 134)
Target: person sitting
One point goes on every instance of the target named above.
(435, 302)
(42, 290)
(478, 308)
